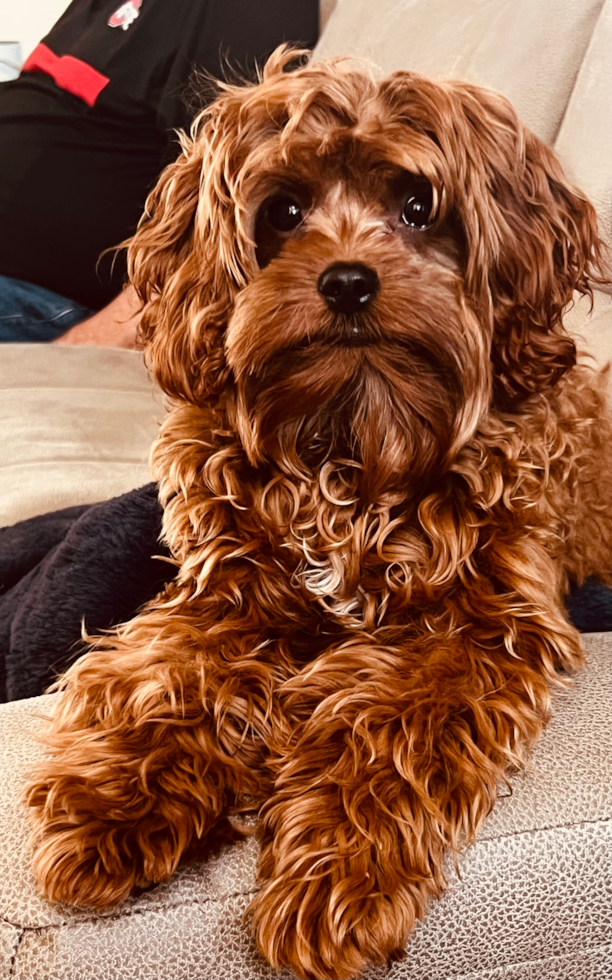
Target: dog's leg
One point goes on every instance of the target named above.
(153, 735)
(395, 761)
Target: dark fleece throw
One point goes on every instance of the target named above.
(98, 564)
(94, 563)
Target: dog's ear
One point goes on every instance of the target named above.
(186, 259)
(532, 241)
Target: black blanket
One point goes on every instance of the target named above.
(98, 564)
(94, 563)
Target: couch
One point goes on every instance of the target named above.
(531, 901)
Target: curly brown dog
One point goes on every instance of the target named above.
(380, 470)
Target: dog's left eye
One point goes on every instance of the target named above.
(418, 206)
(283, 213)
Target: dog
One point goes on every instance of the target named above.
(380, 471)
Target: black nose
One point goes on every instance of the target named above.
(348, 287)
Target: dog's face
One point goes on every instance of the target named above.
(354, 333)
(358, 268)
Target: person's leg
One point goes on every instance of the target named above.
(31, 314)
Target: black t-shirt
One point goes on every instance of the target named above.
(88, 125)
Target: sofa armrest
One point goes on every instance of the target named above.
(531, 901)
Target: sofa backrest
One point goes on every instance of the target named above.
(551, 58)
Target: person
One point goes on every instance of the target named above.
(86, 129)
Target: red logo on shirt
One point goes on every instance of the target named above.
(125, 15)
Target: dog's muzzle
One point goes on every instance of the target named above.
(348, 287)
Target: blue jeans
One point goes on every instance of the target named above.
(31, 314)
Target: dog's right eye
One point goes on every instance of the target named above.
(283, 213)
(418, 208)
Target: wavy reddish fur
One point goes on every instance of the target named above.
(373, 544)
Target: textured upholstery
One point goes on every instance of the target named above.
(76, 426)
(531, 903)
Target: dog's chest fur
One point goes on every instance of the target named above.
(330, 583)
(325, 582)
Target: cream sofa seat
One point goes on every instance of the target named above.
(532, 902)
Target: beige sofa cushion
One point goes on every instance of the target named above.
(531, 904)
(532, 52)
(584, 140)
(76, 426)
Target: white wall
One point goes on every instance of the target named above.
(27, 21)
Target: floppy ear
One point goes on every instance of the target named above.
(532, 241)
(188, 256)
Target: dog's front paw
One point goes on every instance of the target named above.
(324, 931)
(80, 858)
(326, 914)
(89, 852)
(71, 869)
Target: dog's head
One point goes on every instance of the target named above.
(358, 268)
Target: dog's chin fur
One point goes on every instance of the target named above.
(397, 389)
(375, 514)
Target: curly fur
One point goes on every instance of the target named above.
(374, 542)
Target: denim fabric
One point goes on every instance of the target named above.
(31, 314)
